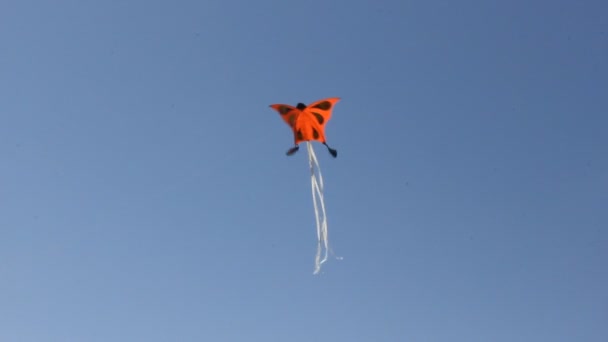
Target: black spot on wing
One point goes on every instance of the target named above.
(325, 105)
(319, 117)
(292, 120)
(315, 134)
(299, 135)
(284, 110)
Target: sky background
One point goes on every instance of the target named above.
(145, 194)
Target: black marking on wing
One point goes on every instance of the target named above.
(325, 105)
(319, 117)
(284, 110)
(292, 119)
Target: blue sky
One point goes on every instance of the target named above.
(145, 194)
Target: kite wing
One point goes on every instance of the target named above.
(310, 125)
(289, 114)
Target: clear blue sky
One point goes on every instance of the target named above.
(145, 194)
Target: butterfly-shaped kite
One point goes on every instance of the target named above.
(308, 122)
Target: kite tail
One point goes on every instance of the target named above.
(316, 181)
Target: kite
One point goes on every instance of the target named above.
(308, 124)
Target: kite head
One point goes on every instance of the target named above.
(301, 106)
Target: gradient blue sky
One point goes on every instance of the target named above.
(145, 194)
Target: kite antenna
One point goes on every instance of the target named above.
(316, 182)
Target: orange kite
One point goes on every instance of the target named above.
(308, 122)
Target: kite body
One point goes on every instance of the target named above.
(308, 122)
